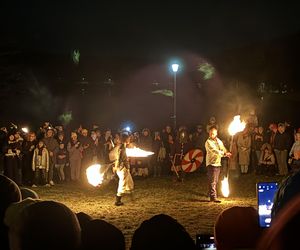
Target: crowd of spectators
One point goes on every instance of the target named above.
(53, 155)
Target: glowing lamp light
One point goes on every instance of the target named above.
(25, 130)
(175, 67)
(225, 187)
(94, 175)
(137, 152)
(128, 129)
(236, 125)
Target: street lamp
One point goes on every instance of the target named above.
(175, 67)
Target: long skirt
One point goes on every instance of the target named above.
(126, 184)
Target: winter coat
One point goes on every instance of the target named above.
(75, 152)
(40, 161)
(244, 147)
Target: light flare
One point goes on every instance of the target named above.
(25, 130)
(225, 187)
(236, 125)
(137, 152)
(94, 175)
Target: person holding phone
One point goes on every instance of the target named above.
(215, 150)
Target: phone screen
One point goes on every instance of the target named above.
(205, 241)
(265, 195)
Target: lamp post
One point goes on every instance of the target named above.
(175, 67)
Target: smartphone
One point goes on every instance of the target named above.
(205, 241)
(265, 196)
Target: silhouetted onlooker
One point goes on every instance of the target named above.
(98, 234)
(237, 228)
(9, 193)
(161, 232)
(45, 225)
(284, 231)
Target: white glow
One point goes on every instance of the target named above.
(128, 129)
(137, 152)
(236, 125)
(175, 67)
(225, 187)
(25, 130)
(94, 176)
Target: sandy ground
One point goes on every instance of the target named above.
(187, 201)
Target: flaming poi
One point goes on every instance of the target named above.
(234, 127)
(95, 175)
(137, 152)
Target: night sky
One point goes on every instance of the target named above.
(134, 43)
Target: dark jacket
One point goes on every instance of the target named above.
(282, 141)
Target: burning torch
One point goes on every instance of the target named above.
(234, 127)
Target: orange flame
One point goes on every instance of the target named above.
(137, 152)
(236, 125)
(94, 175)
(225, 187)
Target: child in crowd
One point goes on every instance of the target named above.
(40, 164)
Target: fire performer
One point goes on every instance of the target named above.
(122, 168)
(215, 150)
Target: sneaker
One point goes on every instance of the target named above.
(47, 185)
(34, 186)
(51, 183)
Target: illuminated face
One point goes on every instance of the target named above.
(41, 144)
(11, 137)
(61, 146)
(281, 129)
(145, 133)
(107, 133)
(74, 136)
(297, 136)
(61, 137)
(49, 133)
(213, 133)
(260, 130)
(84, 132)
(31, 137)
(168, 129)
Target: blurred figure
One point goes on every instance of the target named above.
(288, 189)
(144, 168)
(52, 146)
(40, 164)
(27, 149)
(61, 161)
(267, 161)
(86, 144)
(244, 150)
(258, 141)
(281, 147)
(9, 193)
(294, 153)
(59, 230)
(3, 136)
(159, 154)
(75, 155)
(212, 123)
(11, 159)
(170, 236)
(284, 231)
(99, 234)
(237, 228)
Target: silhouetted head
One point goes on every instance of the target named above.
(237, 227)
(98, 234)
(161, 232)
(45, 225)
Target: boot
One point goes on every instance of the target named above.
(118, 201)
